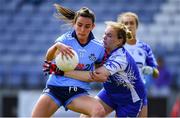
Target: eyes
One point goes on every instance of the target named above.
(108, 35)
(87, 26)
(129, 23)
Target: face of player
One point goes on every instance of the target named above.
(83, 27)
(111, 40)
(130, 22)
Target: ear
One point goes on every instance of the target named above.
(93, 26)
(119, 42)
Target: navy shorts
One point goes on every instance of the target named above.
(122, 109)
(63, 95)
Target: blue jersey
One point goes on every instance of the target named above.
(124, 84)
(89, 54)
(142, 54)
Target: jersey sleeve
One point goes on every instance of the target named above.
(60, 39)
(101, 55)
(115, 63)
(150, 59)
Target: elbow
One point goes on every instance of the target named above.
(50, 53)
(49, 56)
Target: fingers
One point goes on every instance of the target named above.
(70, 52)
(46, 67)
(67, 52)
(93, 74)
(90, 73)
(49, 68)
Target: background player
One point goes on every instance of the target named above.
(140, 51)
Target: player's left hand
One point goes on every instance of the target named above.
(147, 70)
(98, 77)
(49, 68)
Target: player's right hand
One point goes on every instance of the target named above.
(50, 68)
(147, 70)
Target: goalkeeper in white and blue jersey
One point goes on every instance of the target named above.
(66, 91)
(140, 51)
(123, 89)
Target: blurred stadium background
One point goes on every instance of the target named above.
(28, 28)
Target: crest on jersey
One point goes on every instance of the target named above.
(92, 57)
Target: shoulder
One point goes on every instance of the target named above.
(97, 44)
(65, 36)
(143, 45)
(119, 54)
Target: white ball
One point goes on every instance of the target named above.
(66, 63)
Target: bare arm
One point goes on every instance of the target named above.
(56, 48)
(51, 53)
(79, 75)
(99, 75)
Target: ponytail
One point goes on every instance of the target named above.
(71, 16)
(65, 14)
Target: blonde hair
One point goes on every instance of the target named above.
(70, 16)
(121, 29)
(119, 18)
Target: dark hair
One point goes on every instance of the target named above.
(71, 16)
(122, 30)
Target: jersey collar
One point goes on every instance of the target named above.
(120, 47)
(90, 37)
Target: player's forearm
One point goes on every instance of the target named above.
(79, 75)
(51, 53)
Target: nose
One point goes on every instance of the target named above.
(82, 29)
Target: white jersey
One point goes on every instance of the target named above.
(124, 83)
(142, 54)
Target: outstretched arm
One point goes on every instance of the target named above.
(79, 75)
(99, 75)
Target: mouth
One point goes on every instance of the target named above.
(81, 34)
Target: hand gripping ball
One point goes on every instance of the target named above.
(67, 63)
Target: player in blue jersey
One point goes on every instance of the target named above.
(123, 89)
(140, 51)
(65, 91)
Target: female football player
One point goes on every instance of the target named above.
(140, 51)
(123, 89)
(65, 91)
